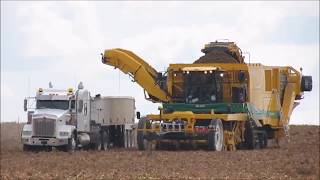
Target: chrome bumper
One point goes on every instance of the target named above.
(38, 141)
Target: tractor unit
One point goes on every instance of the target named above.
(68, 119)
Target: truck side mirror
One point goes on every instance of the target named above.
(25, 103)
(138, 115)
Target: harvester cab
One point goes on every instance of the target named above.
(206, 85)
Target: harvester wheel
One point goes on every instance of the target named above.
(263, 140)
(141, 140)
(215, 135)
(249, 135)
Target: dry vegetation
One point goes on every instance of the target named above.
(298, 159)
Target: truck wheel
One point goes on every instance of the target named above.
(97, 145)
(72, 144)
(141, 140)
(105, 141)
(215, 135)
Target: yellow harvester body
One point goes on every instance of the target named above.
(219, 99)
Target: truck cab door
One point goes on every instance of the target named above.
(83, 112)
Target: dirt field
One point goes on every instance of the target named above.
(298, 159)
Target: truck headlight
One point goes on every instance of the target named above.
(26, 133)
(63, 133)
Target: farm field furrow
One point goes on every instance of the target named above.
(298, 159)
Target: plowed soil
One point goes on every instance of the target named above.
(297, 159)
(216, 57)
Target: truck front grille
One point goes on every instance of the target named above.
(44, 127)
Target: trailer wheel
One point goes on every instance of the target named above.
(215, 135)
(141, 140)
(105, 140)
(98, 144)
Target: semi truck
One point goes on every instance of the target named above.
(219, 100)
(70, 120)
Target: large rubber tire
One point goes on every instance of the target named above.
(97, 145)
(141, 141)
(249, 135)
(263, 140)
(105, 141)
(215, 136)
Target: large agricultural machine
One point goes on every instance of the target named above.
(219, 100)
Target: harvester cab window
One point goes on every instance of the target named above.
(239, 92)
(203, 87)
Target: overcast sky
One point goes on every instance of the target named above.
(62, 41)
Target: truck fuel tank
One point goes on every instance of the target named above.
(83, 139)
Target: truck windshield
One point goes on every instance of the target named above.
(57, 104)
